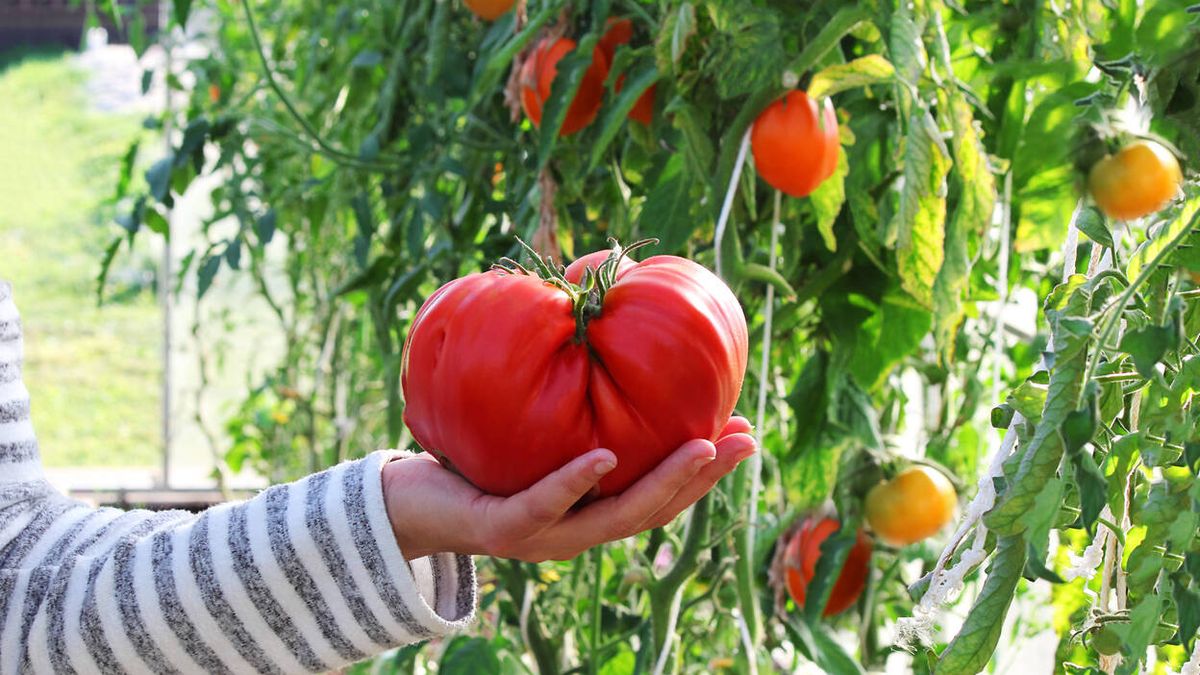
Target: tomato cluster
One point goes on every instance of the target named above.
(804, 552)
(537, 77)
(541, 67)
(914, 505)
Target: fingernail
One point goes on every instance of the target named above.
(604, 467)
(700, 462)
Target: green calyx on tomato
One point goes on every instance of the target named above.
(587, 296)
(511, 373)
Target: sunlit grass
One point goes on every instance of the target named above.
(92, 372)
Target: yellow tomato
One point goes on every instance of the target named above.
(912, 506)
(1137, 181)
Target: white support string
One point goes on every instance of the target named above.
(944, 582)
(727, 205)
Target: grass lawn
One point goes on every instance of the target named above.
(93, 372)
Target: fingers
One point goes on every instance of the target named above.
(545, 502)
(736, 425)
(623, 515)
(731, 451)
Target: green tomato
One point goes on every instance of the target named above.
(1106, 641)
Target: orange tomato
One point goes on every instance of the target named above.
(800, 562)
(795, 143)
(537, 76)
(489, 10)
(1137, 181)
(214, 93)
(914, 505)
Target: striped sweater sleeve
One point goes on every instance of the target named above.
(305, 577)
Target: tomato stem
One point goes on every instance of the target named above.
(587, 297)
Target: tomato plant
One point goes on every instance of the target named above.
(912, 506)
(803, 553)
(940, 294)
(1136, 181)
(511, 373)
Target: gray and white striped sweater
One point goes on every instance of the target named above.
(304, 577)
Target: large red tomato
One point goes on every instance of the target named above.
(537, 77)
(619, 32)
(507, 378)
(800, 561)
(795, 143)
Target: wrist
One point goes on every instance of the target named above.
(397, 481)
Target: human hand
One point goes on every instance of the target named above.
(434, 510)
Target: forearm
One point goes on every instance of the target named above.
(306, 576)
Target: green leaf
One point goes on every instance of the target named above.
(1138, 633)
(746, 53)
(469, 656)
(158, 177)
(678, 27)
(1092, 223)
(264, 227)
(834, 551)
(1147, 346)
(1187, 606)
(920, 219)
(827, 201)
(977, 199)
(567, 78)
(861, 72)
(110, 252)
(208, 270)
(1002, 416)
(1180, 219)
(182, 9)
(666, 214)
(1093, 491)
(1030, 396)
(889, 335)
(971, 650)
(905, 46)
(823, 650)
(616, 113)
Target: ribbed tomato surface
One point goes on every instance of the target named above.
(501, 384)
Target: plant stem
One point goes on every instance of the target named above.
(1134, 284)
(597, 589)
(324, 146)
(663, 609)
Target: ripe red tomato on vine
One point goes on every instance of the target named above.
(620, 32)
(803, 553)
(795, 143)
(537, 78)
(509, 374)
